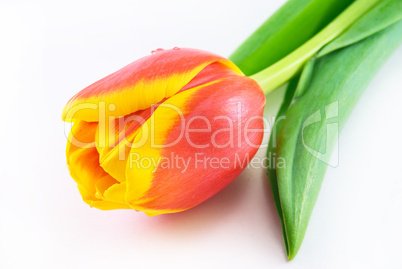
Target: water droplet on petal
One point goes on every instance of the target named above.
(176, 48)
(159, 49)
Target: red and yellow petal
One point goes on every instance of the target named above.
(115, 137)
(156, 189)
(142, 83)
(83, 163)
(82, 156)
(114, 153)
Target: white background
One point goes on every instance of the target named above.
(50, 50)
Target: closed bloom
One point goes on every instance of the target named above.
(164, 133)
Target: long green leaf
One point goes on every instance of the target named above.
(289, 95)
(384, 14)
(296, 85)
(280, 72)
(287, 29)
(309, 133)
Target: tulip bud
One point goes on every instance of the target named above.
(164, 133)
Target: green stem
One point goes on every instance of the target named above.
(283, 70)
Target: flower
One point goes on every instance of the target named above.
(164, 133)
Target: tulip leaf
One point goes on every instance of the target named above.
(305, 78)
(296, 85)
(309, 133)
(287, 29)
(283, 70)
(381, 16)
(291, 89)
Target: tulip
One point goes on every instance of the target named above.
(164, 133)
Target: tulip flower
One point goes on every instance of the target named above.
(164, 133)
